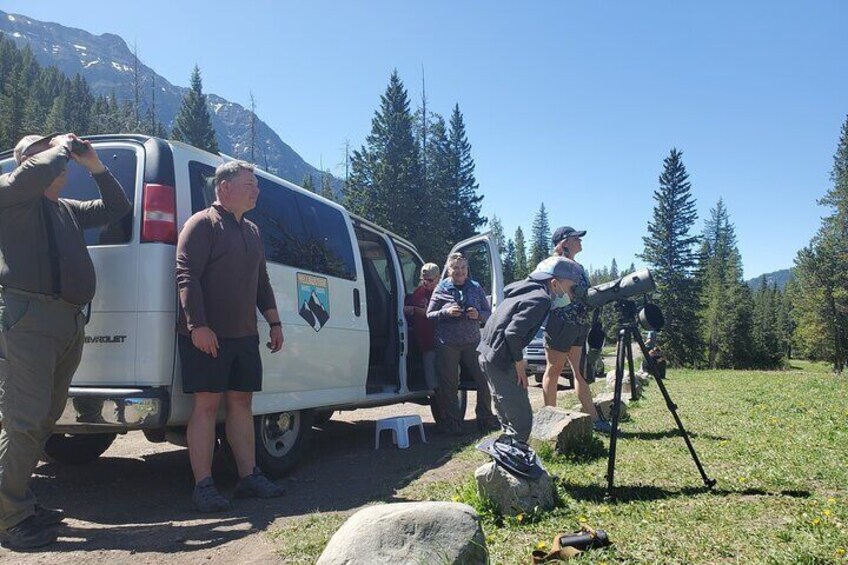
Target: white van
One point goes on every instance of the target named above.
(340, 284)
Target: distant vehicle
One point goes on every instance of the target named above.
(535, 363)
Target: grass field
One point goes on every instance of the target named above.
(776, 442)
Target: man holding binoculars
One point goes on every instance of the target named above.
(46, 279)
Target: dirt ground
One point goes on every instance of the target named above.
(133, 504)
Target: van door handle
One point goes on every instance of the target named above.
(357, 309)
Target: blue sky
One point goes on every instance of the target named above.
(574, 104)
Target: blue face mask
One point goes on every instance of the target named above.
(560, 299)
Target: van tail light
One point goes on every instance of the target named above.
(159, 214)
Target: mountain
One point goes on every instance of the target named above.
(780, 277)
(108, 65)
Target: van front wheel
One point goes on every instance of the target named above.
(281, 440)
(76, 449)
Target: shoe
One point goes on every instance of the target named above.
(27, 534)
(257, 485)
(206, 497)
(488, 424)
(602, 426)
(48, 516)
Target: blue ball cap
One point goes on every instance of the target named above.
(557, 268)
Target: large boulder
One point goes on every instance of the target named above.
(569, 430)
(512, 495)
(409, 532)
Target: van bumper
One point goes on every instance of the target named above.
(90, 409)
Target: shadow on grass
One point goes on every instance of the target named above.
(672, 432)
(624, 493)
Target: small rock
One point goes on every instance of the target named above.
(625, 384)
(409, 532)
(604, 403)
(570, 430)
(512, 495)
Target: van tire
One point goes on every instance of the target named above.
(76, 449)
(282, 439)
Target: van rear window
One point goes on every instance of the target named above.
(81, 186)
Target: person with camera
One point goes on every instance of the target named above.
(566, 331)
(459, 306)
(46, 279)
(514, 324)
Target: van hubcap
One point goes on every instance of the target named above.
(279, 432)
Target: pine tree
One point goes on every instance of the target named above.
(669, 249)
(521, 269)
(193, 123)
(726, 304)
(465, 202)
(820, 310)
(308, 183)
(540, 242)
(509, 263)
(385, 183)
(327, 186)
(436, 177)
(496, 227)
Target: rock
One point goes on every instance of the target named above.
(569, 430)
(409, 532)
(604, 403)
(641, 380)
(512, 495)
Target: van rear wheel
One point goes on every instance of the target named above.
(281, 440)
(76, 449)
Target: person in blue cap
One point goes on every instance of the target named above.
(510, 328)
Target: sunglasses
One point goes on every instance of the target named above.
(425, 279)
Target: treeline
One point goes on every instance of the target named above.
(713, 319)
(415, 175)
(35, 99)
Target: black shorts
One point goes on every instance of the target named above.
(237, 367)
(562, 336)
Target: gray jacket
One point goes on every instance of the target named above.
(515, 322)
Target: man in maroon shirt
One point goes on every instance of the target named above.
(222, 280)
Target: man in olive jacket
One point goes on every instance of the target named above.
(46, 278)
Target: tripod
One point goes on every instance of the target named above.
(627, 332)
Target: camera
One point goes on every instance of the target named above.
(78, 148)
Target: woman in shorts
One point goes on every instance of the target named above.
(565, 334)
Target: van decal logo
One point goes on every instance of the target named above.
(105, 338)
(313, 299)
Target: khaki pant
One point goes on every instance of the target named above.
(41, 341)
(448, 358)
(511, 401)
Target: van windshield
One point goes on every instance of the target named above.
(81, 186)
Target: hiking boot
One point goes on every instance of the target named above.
(257, 485)
(206, 497)
(602, 426)
(48, 516)
(27, 534)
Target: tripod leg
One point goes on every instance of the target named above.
(672, 407)
(620, 355)
(633, 383)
